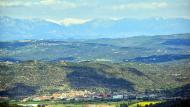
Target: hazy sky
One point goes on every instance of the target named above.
(92, 9)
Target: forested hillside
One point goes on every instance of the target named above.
(35, 77)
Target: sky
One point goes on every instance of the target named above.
(79, 11)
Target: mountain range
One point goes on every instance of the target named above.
(19, 29)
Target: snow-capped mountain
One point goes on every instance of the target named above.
(16, 29)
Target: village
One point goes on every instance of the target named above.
(77, 96)
(74, 95)
(81, 96)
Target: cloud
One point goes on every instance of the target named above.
(70, 21)
(142, 5)
(15, 3)
(59, 9)
(49, 2)
(26, 3)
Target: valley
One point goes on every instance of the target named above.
(95, 70)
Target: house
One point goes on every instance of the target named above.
(116, 97)
(41, 98)
(56, 95)
(4, 98)
(36, 99)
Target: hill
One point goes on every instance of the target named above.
(148, 49)
(34, 77)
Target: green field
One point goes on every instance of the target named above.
(144, 103)
(130, 103)
(81, 104)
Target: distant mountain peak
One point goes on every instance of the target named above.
(73, 21)
(18, 29)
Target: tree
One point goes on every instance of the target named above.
(123, 105)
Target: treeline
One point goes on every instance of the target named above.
(6, 104)
(172, 103)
